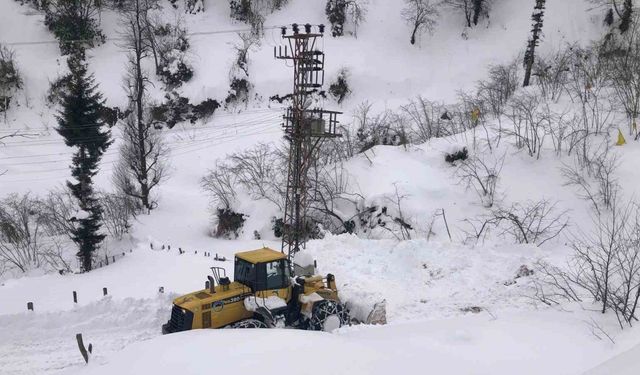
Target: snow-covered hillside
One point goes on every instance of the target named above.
(455, 304)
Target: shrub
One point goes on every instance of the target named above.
(173, 44)
(340, 88)
(229, 223)
(336, 11)
(238, 91)
(177, 109)
(10, 79)
(451, 158)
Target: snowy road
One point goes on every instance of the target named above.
(44, 343)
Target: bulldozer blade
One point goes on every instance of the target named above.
(378, 315)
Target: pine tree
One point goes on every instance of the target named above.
(625, 18)
(80, 124)
(478, 7)
(336, 11)
(529, 56)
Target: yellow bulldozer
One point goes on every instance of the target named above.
(263, 294)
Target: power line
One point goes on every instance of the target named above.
(212, 134)
(205, 129)
(120, 39)
(184, 152)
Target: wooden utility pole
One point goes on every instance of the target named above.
(304, 128)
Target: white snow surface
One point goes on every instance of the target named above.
(432, 287)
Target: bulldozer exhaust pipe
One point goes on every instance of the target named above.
(212, 285)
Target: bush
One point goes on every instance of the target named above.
(336, 11)
(455, 156)
(117, 212)
(177, 109)
(240, 9)
(238, 91)
(10, 79)
(340, 88)
(386, 128)
(499, 88)
(172, 44)
(175, 73)
(229, 223)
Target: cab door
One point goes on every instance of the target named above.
(274, 280)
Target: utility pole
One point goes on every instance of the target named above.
(305, 128)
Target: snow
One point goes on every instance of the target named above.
(453, 306)
(270, 303)
(467, 345)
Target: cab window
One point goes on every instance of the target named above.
(245, 273)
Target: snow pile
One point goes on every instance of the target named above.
(530, 343)
(426, 280)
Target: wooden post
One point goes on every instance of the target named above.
(30, 306)
(106, 259)
(114, 259)
(75, 297)
(104, 291)
(446, 224)
(83, 350)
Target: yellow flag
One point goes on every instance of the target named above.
(621, 140)
(475, 114)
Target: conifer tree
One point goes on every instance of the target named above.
(81, 125)
(625, 18)
(529, 56)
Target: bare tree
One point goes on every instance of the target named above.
(533, 222)
(605, 265)
(219, 183)
(421, 15)
(587, 86)
(10, 78)
(58, 212)
(118, 210)
(427, 119)
(499, 88)
(598, 167)
(472, 10)
(331, 201)
(357, 10)
(623, 68)
(258, 171)
(20, 235)
(531, 119)
(482, 175)
(143, 155)
(551, 73)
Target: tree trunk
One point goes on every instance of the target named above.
(413, 35)
(139, 82)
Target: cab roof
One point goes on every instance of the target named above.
(261, 255)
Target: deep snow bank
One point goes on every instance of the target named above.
(533, 343)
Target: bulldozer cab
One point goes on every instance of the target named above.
(266, 272)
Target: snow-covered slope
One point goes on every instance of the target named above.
(429, 285)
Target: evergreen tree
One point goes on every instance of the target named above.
(529, 56)
(625, 18)
(336, 11)
(80, 124)
(478, 8)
